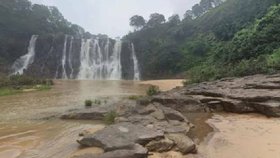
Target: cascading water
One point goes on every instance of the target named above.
(63, 60)
(114, 66)
(24, 61)
(96, 59)
(70, 56)
(98, 65)
(135, 63)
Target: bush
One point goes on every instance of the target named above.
(97, 102)
(88, 103)
(134, 97)
(110, 117)
(153, 90)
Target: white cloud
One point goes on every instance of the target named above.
(112, 16)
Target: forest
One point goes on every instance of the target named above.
(215, 39)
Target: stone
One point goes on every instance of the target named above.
(171, 114)
(162, 145)
(184, 144)
(137, 151)
(120, 136)
(86, 114)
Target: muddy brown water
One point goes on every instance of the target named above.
(28, 130)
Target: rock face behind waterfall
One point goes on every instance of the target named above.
(67, 57)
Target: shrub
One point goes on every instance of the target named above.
(88, 103)
(153, 90)
(134, 97)
(97, 102)
(110, 117)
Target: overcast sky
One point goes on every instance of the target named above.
(111, 17)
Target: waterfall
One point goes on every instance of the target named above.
(114, 66)
(63, 59)
(135, 63)
(70, 56)
(26, 60)
(98, 63)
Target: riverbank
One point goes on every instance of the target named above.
(19, 84)
(5, 91)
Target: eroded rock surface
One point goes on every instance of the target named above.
(258, 93)
(156, 124)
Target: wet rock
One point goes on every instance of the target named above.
(86, 114)
(160, 145)
(120, 136)
(171, 114)
(136, 152)
(258, 93)
(184, 144)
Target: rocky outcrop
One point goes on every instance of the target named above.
(156, 124)
(147, 126)
(259, 94)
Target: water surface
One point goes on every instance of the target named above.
(29, 127)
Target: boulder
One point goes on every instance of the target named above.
(136, 152)
(162, 145)
(120, 136)
(184, 144)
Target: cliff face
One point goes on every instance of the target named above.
(68, 57)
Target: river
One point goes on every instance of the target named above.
(29, 129)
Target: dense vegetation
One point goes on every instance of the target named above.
(19, 20)
(18, 83)
(233, 38)
(215, 39)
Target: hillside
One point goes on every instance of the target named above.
(235, 38)
(20, 20)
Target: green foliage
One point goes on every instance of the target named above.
(134, 97)
(110, 117)
(97, 102)
(273, 60)
(137, 21)
(18, 83)
(88, 103)
(155, 20)
(23, 80)
(9, 91)
(94, 102)
(19, 19)
(153, 90)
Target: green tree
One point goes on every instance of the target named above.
(137, 22)
(197, 10)
(174, 19)
(155, 20)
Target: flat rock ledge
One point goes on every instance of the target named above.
(251, 94)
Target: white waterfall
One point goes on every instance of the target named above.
(135, 63)
(24, 61)
(97, 63)
(63, 59)
(70, 56)
(114, 66)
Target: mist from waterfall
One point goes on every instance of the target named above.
(135, 63)
(26, 60)
(97, 63)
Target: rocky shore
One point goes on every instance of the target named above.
(157, 124)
